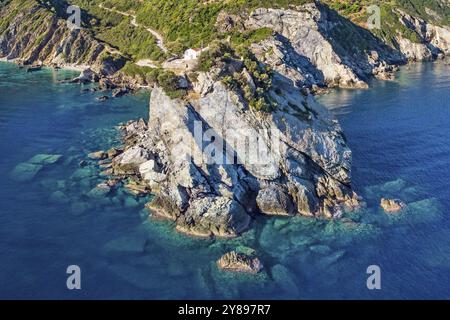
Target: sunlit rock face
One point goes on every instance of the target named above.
(316, 46)
(213, 162)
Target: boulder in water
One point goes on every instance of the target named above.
(102, 98)
(392, 205)
(119, 92)
(45, 159)
(100, 191)
(239, 262)
(98, 155)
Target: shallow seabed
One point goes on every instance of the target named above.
(50, 218)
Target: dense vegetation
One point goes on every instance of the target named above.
(135, 42)
(167, 80)
(123, 5)
(436, 11)
(14, 8)
(191, 23)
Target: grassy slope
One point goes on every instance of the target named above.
(9, 10)
(191, 23)
(435, 11)
(116, 30)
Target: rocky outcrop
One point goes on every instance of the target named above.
(213, 162)
(86, 76)
(313, 45)
(238, 262)
(434, 40)
(392, 205)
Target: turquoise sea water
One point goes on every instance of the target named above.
(399, 133)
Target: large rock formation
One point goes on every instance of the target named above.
(213, 162)
(315, 45)
(434, 40)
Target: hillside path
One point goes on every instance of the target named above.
(157, 35)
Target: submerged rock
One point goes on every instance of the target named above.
(79, 207)
(423, 211)
(239, 262)
(83, 173)
(286, 280)
(245, 250)
(45, 159)
(26, 171)
(131, 203)
(100, 191)
(320, 249)
(331, 259)
(127, 244)
(59, 197)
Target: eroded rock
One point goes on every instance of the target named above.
(392, 205)
(239, 262)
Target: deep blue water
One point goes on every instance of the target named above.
(399, 133)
